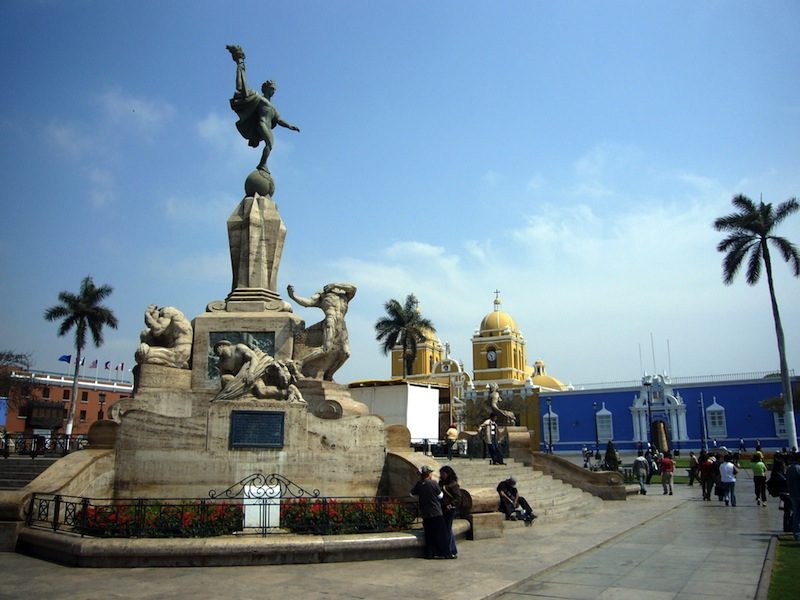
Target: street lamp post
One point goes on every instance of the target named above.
(596, 434)
(549, 425)
(700, 404)
(647, 386)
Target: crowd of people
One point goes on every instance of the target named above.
(716, 470)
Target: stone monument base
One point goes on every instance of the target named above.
(163, 455)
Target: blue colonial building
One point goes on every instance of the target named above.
(679, 414)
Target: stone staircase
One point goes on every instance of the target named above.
(550, 498)
(18, 471)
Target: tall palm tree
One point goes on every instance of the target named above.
(750, 232)
(83, 312)
(403, 326)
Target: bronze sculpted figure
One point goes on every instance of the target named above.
(257, 115)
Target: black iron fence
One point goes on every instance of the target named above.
(257, 505)
(27, 444)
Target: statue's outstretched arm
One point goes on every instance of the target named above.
(283, 123)
(307, 302)
(238, 56)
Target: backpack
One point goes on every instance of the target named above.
(465, 507)
(776, 485)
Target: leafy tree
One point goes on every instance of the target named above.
(750, 235)
(17, 389)
(403, 326)
(85, 313)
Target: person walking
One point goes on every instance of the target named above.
(451, 502)
(430, 507)
(667, 472)
(727, 476)
(760, 479)
(793, 488)
(693, 466)
(707, 476)
(641, 469)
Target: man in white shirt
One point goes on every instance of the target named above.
(727, 475)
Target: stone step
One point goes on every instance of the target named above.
(550, 498)
(17, 472)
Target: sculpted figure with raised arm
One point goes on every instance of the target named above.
(257, 115)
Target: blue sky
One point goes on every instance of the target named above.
(571, 154)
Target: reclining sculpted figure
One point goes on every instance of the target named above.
(246, 370)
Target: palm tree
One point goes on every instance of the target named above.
(403, 326)
(82, 311)
(750, 231)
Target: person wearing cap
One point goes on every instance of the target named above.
(511, 502)
(430, 507)
(759, 478)
(707, 476)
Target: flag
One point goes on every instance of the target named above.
(93, 364)
(120, 367)
(67, 358)
(83, 361)
(107, 366)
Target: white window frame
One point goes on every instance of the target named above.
(605, 427)
(718, 429)
(554, 425)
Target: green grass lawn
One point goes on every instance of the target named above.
(783, 583)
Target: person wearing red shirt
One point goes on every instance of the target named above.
(667, 469)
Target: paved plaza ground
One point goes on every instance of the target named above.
(652, 546)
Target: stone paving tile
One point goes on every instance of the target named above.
(633, 594)
(729, 591)
(571, 576)
(561, 590)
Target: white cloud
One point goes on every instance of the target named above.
(69, 139)
(102, 187)
(199, 208)
(142, 115)
(492, 178)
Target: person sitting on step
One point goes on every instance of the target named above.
(512, 504)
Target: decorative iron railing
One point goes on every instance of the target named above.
(257, 505)
(32, 445)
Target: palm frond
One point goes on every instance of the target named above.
(754, 264)
(789, 253)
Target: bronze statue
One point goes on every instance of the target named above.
(257, 115)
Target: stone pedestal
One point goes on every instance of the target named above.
(255, 233)
(329, 400)
(271, 331)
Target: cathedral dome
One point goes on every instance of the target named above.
(543, 380)
(497, 321)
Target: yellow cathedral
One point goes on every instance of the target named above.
(498, 356)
